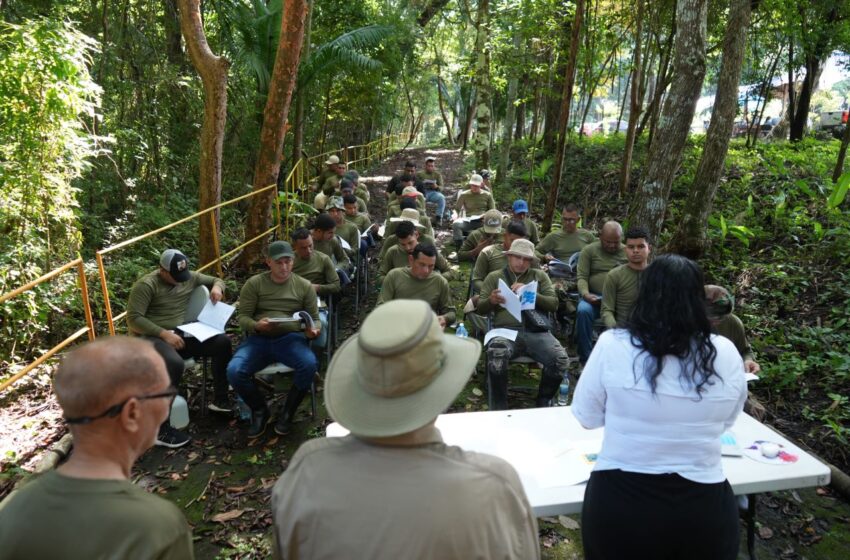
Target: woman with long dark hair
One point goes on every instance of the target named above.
(665, 389)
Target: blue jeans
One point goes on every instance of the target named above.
(586, 314)
(256, 352)
(437, 198)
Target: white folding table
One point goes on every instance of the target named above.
(543, 444)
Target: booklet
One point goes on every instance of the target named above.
(469, 218)
(729, 445)
(297, 317)
(345, 245)
(515, 303)
(211, 321)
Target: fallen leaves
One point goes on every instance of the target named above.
(568, 523)
(227, 516)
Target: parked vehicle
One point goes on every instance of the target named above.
(833, 122)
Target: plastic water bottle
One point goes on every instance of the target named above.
(461, 331)
(179, 413)
(242, 409)
(563, 390)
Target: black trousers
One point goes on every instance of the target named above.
(658, 517)
(218, 348)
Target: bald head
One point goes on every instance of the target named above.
(99, 374)
(611, 236)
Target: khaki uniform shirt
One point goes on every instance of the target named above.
(593, 266)
(475, 204)
(562, 244)
(547, 299)
(530, 228)
(360, 220)
(347, 498)
(421, 176)
(396, 257)
(472, 240)
(318, 270)
(56, 516)
(491, 258)
(155, 305)
(401, 284)
(262, 297)
(619, 295)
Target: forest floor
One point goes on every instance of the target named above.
(222, 481)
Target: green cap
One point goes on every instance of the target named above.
(280, 249)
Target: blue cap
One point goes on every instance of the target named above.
(520, 206)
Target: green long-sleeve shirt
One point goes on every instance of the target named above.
(401, 284)
(360, 220)
(421, 176)
(155, 305)
(491, 258)
(619, 295)
(318, 269)
(349, 232)
(732, 328)
(475, 204)
(424, 221)
(593, 265)
(391, 241)
(263, 297)
(562, 244)
(396, 257)
(334, 250)
(547, 299)
(472, 240)
(530, 228)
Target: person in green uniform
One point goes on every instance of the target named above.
(346, 188)
(594, 262)
(721, 304)
(431, 182)
(408, 236)
(325, 241)
(540, 346)
(114, 393)
(156, 307)
(317, 268)
(409, 191)
(391, 240)
(519, 213)
(329, 170)
(473, 203)
(330, 185)
(570, 239)
(410, 213)
(395, 185)
(267, 303)
(418, 280)
(359, 189)
(488, 234)
(495, 257)
(620, 290)
(345, 230)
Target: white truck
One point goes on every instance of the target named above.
(834, 122)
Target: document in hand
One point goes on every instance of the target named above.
(298, 316)
(211, 321)
(515, 303)
(469, 218)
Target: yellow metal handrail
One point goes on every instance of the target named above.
(84, 294)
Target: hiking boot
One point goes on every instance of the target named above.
(169, 436)
(284, 422)
(259, 420)
(220, 404)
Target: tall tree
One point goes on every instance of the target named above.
(282, 83)
(510, 116)
(483, 104)
(301, 93)
(564, 117)
(213, 72)
(665, 157)
(635, 102)
(689, 238)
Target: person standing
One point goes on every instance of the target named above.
(665, 389)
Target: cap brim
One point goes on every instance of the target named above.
(281, 255)
(534, 259)
(368, 415)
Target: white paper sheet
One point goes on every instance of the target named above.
(510, 334)
(511, 303)
(528, 295)
(345, 245)
(751, 377)
(211, 321)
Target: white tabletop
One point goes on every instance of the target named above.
(547, 445)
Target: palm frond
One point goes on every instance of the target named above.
(343, 51)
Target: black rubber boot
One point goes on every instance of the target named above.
(499, 390)
(547, 390)
(284, 422)
(259, 420)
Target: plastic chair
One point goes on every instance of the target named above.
(278, 368)
(197, 300)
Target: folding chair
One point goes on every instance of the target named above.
(197, 300)
(264, 375)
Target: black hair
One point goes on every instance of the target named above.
(324, 222)
(517, 228)
(346, 183)
(349, 199)
(404, 229)
(352, 174)
(638, 232)
(410, 163)
(299, 234)
(406, 177)
(424, 249)
(571, 208)
(408, 202)
(669, 319)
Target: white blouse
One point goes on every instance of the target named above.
(671, 431)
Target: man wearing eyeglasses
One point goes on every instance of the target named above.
(114, 394)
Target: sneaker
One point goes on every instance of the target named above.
(172, 437)
(220, 404)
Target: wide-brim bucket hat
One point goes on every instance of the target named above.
(399, 372)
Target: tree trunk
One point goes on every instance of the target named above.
(519, 128)
(173, 43)
(564, 118)
(510, 115)
(301, 94)
(801, 112)
(650, 201)
(842, 153)
(449, 135)
(635, 102)
(282, 83)
(535, 111)
(213, 72)
(690, 239)
(483, 114)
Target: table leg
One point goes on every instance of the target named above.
(751, 525)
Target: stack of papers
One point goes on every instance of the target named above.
(211, 321)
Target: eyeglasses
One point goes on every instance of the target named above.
(571, 220)
(115, 410)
